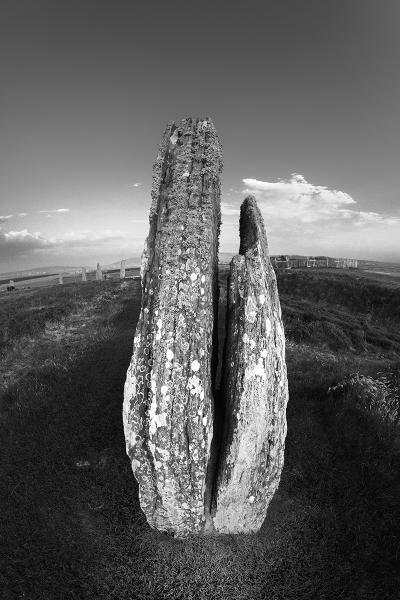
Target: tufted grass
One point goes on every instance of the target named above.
(71, 525)
(26, 312)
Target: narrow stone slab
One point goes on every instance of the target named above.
(99, 273)
(168, 402)
(122, 269)
(254, 383)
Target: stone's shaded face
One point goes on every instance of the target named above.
(168, 401)
(168, 407)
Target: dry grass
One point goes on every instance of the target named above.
(71, 521)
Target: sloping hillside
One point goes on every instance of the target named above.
(71, 523)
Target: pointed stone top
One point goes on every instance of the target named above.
(252, 228)
(187, 126)
(193, 121)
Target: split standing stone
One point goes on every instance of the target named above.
(168, 402)
(255, 385)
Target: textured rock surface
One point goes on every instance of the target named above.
(168, 403)
(255, 385)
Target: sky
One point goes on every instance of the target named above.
(304, 95)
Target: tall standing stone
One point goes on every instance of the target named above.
(255, 385)
(168, 403)
(122, 269)
(99, 273)
(83, 273)
(60, 278)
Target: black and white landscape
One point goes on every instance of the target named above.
(199, 336)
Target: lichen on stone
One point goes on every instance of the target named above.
(168, 380)
(249, 469)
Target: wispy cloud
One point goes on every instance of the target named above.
(134, 185)
(298, 200)
(302, 203)
(16, 243)
(23, 247)
(309, 218)
(82, 239)
(229, 210)
(23, 214)
(55, 210)
(4, 218)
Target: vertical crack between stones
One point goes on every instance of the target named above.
(223, 420)
(219, 409)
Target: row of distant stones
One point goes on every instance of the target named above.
(194, 476)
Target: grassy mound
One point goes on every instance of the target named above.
(71, 524)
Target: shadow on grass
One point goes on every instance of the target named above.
(345, 481)
(65, 473)
(74, 529)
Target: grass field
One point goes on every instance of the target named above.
(71, 525)
(25, 283)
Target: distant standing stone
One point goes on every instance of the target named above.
(83, 274)
(168, 405)
(122, 269)
(255, 384)
(99, 273)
